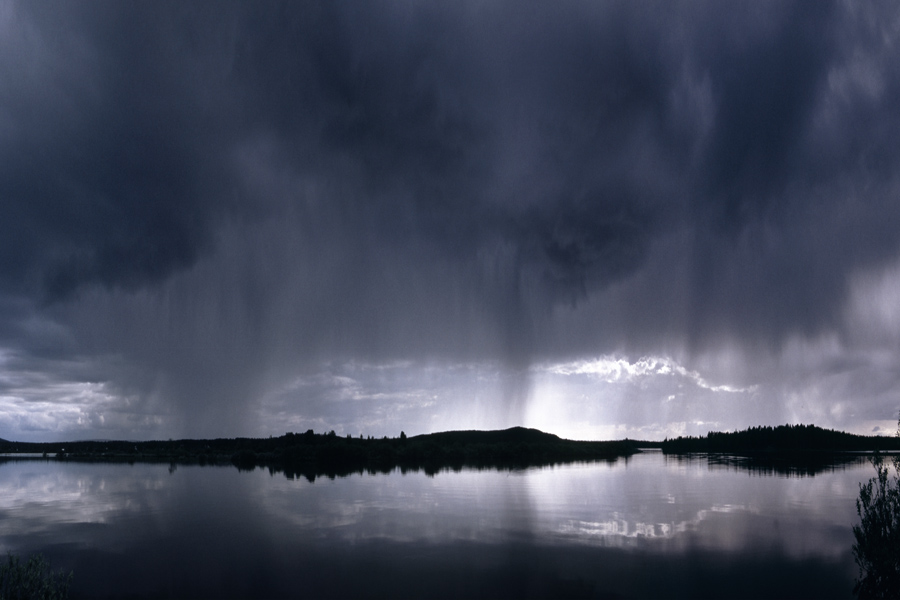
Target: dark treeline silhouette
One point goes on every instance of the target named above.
(783, 439)
(313, 454)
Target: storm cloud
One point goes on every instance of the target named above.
(208, 210)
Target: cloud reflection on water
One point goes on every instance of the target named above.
(683, 505)
(201, 517)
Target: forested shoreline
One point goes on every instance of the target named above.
(313, 454)
(783, 439)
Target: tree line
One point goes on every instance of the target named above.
(313, 454)
(783, 438)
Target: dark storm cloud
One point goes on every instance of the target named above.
(790, 199)
(105, 176)
(217, 192)
(764, 90)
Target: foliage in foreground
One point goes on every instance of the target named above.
(877, 547)
(32, 580)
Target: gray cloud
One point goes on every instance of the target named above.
(200, 202)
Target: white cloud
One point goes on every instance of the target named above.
(612, 369)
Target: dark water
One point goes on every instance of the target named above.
(648, 527)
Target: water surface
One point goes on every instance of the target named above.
(643, 527)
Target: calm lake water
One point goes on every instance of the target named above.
(645, 527)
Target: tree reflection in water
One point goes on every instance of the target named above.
(877, 547)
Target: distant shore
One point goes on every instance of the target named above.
(792, 449)
(782, 440)
(313, 454)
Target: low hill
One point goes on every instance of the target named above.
(513, 435)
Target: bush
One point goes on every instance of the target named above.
(877, 547)
(32, 580)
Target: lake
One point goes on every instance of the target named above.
(650, 526)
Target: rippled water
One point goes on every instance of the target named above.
(645, 527)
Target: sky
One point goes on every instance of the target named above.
(599, 219)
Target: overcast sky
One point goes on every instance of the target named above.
(600, 219)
